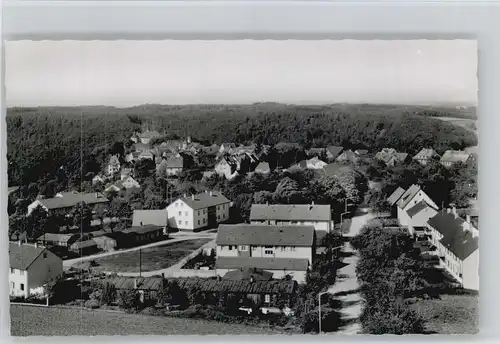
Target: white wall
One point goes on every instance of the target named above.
(470, 271)
(318, 225)
(403, 217)
(193, 219)
(16, 278)
(272, 252)
(33, 205)
(420, 219)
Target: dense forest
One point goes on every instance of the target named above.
(41, 140)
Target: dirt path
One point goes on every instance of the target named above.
(347, 285)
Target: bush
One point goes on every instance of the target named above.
(129, 300)
(92, 304)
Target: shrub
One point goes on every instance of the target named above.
(92, 304)
(129, 300)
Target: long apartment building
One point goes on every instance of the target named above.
(279, 249)
(317, 215)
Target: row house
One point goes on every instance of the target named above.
(279, 249)
(64, 202)
(408, 200)
(191, 213)
(457, 243)
(317, 215)
(31, 267)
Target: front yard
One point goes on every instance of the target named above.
(153, 258)
(452, 314)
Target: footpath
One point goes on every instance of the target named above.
(346, 289)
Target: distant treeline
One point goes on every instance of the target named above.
(40, 140)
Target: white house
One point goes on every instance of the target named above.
(31, 266)
(410, 198)
(227, 167)
(457, 245)
(195, 212)
(317, 215)
(282, 250)
(315, 163)
(98, 179)
(418, 216)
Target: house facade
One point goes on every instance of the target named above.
(456, 241)
(348, 156)
(174, 165)
(317, 215)
(418, 216)
(226, 167)
(408, 200)
(31, 266)
(281, 250)
(199, 211)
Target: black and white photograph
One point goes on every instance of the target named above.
(242, 187)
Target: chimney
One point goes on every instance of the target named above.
(211, 194)
(192, 197)
(251, 279)
(312, 203)
(19, 242)
(267, 203)
(454, 211)
(135, 283)
(467, 218)
(185, 195)
(97, 195)
(36, 245)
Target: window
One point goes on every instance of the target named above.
(186, 213)
(176, 204)
(243, 248)
(21, 272)
(268, 251)
(198, 213)
(204, 220)
(267, 298)
(12, 270)
(22, 286)
(198, 221)
(45, 255)
(283, 248)
(180, 213)
(218, 217)
(185, 222)
(180, 222)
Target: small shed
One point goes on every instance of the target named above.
(84, 247)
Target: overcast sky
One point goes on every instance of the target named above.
(125, 73)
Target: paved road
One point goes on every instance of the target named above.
(348, 283)
(175, 237)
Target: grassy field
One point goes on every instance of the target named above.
(41, 321)
(153, 258)
(452, 314)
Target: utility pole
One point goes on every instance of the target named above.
(140, 262)
(319, 310)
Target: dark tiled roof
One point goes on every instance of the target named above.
(247, 274)
(408, 196)
(205, 200)
(460, 242)
(22, 256)
(150, 217)
(71, 199)
(334, 150)
(209, 285)
(290, 264)
(143, 229)
(395, 196)
(262, 235)
(417, 208)
(293, 212)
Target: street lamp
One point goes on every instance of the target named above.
(319, 310)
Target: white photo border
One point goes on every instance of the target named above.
(112, 20)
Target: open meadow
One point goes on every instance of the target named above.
(51, 321)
